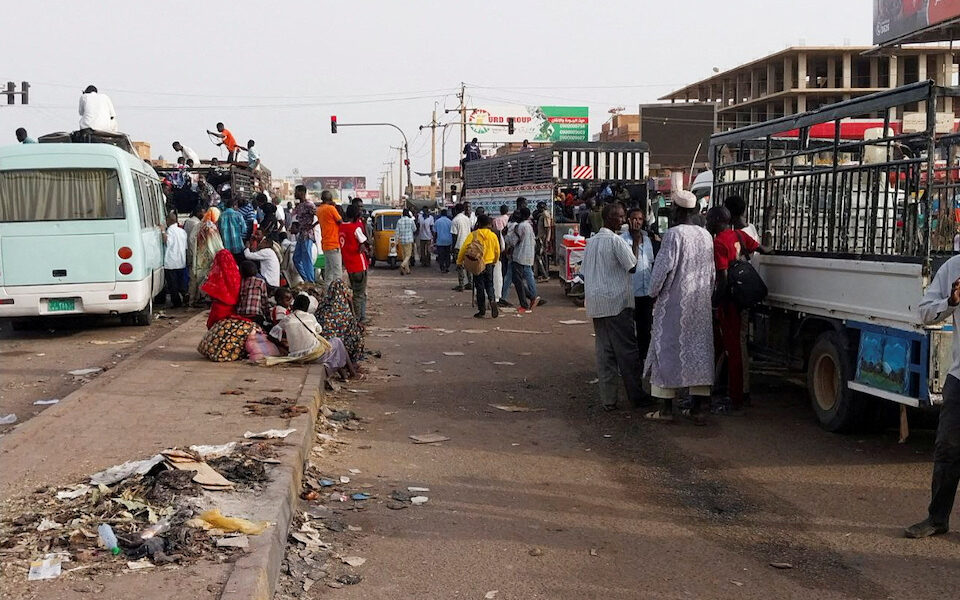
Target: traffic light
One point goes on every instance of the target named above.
(11, 90)
(406, 162)
(333, 123)
(510, 125)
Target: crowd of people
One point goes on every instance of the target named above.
(665, 312)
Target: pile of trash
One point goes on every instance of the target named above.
(161, 511)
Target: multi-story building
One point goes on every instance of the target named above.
(798, 79)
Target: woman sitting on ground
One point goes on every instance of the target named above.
(300, 332)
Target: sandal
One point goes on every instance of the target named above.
(658, 416)
(695, 417)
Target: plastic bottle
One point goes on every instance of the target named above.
(108, 538)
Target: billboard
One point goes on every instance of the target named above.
(318, 184)
(893, 19)
(535, 123)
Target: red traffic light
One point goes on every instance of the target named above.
(333, 123)
(406, 162)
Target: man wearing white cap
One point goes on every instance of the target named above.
(681, 348)
(608, 293)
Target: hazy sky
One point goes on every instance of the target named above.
(276, 71)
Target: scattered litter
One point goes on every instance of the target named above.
(453, 354)
(447, 330)
(428, 438)
(238, 541)
(515, 408)
(47, 525)
(523, 331)
(74, 492)
(473, 331)
(418, 500)
(429, 362)
(205, 476)
(360, 496)
(594, 381)
(84, 372)
(46, 402)
(354, 528)
(353, 561)
(430, 371)
(46, 568)
(8, 419)
(410, 292)
(505, 363)
(269, 434)
(355, 471)
(111, 342)
(349, 579)
(572, 322)
(418, 489)
(231, 524)
(535, 552)
(126, 470)
(491, 595)
(593, 552)
(357, 391)
(211, 452)
(342, 415)
(781, 565)
(344, 479)
(736, 583)
(136, 565)
(607, 435)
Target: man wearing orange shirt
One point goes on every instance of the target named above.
(329, 218)
(228, 140)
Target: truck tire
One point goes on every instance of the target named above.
(142, 317)
(828, 370)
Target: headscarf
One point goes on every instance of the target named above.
(337, 319)
(223, 282)
(207, 226)
(212, 215)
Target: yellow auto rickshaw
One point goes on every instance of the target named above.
(384, 244)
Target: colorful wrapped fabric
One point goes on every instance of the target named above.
(223, 287)
(226, 340)
(337, 320)
(258, 346)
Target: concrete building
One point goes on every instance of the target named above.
(620, 128)
(798, 79)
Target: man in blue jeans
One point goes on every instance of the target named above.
(940, 303)
(523, 240)
(443, 240)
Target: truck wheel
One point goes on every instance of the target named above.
(142, 317)
(829, 368)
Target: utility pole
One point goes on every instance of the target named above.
(11, 92)
(433, 153)
(390, 177)
(463, 114)
(400, 164)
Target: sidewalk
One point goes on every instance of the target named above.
(166, 396)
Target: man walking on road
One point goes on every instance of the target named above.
(523, 241)
(329, 218)
(940, 303)
(483, 281)
(681, 346)
(443, 240)
(175, 261)
(607, 264)
(543, 225)
(462, 224)
(405, 234)
(425, 226)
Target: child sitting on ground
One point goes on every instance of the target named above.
(254, 303)
(284, 299)
(300, 333)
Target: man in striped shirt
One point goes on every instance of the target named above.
(406, 227)
(608, 262)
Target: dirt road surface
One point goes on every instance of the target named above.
(35, 362)
(567, 501)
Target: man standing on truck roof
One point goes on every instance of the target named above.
(96, 111)
(253, 156)
(940, 303)
(227, 140)
(187, 153)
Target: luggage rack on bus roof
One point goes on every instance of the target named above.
(89, 136)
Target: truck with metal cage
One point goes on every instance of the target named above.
(860, 202)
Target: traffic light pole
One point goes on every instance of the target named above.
(406, 146)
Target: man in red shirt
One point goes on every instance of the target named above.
(227, 140)
(354, 249)
(728, 246)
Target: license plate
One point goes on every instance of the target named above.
(61, 304)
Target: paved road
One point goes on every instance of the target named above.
(620, 508)
(35, 362)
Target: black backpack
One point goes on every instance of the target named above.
(746, 287)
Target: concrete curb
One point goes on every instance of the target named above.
(255, 575)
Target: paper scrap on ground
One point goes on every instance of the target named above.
(505, 363)
(8, 419)
(429, 362)
(269, 434)
(418, 500)
(354, 471)
(516, 408)
(428, 438)
(454, 354)
(533, 331)
(206, 476)
(491, 595)
(46, 568)
(46, 402)
(418, 489)
(353, 561)
(82, 372)
(73, 492)
(237, 541)
(473, 331)
(572, 322)
(208, 452)
(410, 292)
(593, 381)
(110, 342)
(136, 565)
(47, 525)
(344, 479)
(128, 469)
(357, 391)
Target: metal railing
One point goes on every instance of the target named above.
(535, 166)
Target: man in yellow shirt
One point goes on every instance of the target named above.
(483, 282)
